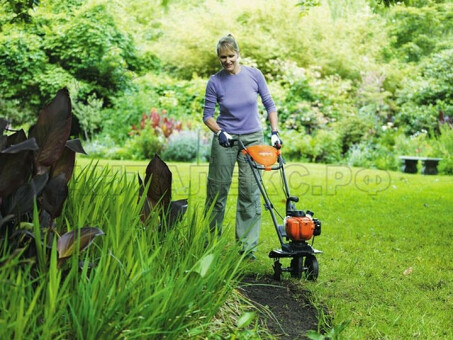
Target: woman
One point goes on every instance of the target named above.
(235, 89)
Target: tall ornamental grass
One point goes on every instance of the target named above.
(133, 282)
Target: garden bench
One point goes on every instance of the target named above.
(429, 164)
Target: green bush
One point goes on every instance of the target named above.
(181, 99)
(417, 119)
(89, 115)
(326, 147)
(360, 155)
(144, 145)
(306, 100)
(126, 110)
(386, 160)
(371, 155)
(296, 145)
(445, 144)
(322, 146)
(58, 43)
(184, 147)
(419, 144)
(104, 147)
(427, 94)
(91, 46)
(353, 129)
(416, 32)
(446, 165)
(22, 60)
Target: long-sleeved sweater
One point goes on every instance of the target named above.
(237, 98)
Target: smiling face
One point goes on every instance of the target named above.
(229, 59)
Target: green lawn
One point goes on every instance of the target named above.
(387, 238)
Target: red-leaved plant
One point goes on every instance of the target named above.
(159, 122)
(36, 170)
(158, 179)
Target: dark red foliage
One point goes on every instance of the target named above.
(158, 197)
(37, 168)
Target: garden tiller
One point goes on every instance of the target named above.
(298, 226)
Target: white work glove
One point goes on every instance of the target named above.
(275, 140)
(224, 138)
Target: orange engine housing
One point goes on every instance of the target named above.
(299, 228)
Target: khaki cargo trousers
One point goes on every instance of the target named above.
(248, 207)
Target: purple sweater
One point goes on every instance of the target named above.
(237, 98)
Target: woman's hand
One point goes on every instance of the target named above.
(276, 140)
(224, 139)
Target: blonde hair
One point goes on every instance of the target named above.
(227, 42)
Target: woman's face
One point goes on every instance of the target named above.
(229, 60)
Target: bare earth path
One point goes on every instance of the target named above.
(291, 313)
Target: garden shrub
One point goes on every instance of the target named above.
(334, 96)
(368, 154)
(22, 60)
(91, 46)
(445, 143)
(360, 155)
(296, 98)
(419, 144)
(427, 94)
(417, 119)
(385, 159)
(181, 99)
(104, 147)
(307, 100)
(126, 110)
(60, 42)
(296, 145)
(352, 130)
(326, 146)
(446, 165)
(417, 32)
(323, 146)
(89, 115)
(144, 145)
(185, 146)
(387, 134)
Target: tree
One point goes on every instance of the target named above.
(20, 8)
(427, 98)
(61, 43)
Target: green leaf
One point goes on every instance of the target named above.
(203, 265)
(313, 335)
(67, 243)
(245, 319)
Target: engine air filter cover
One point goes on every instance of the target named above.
(299, 228)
